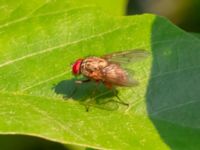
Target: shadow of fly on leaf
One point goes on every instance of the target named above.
(90, 94)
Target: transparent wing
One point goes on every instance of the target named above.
(116, 75)
(127, 56)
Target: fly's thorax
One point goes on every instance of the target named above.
(92, 64)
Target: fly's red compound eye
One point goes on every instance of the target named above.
(76, 67)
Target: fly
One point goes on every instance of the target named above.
(109, 69)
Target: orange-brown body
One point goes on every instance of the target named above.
(99, 69)
(107, 69)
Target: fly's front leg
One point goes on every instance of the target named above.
(78, 82)
(82, 81)
(92, 100)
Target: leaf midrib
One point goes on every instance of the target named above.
(60, 46)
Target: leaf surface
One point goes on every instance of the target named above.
(38, 42)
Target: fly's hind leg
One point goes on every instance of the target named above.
(120, 101)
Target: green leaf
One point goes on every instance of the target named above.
(173, 96)
(38, 42)
(195, 34)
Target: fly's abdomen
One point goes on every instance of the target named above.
(116, 75)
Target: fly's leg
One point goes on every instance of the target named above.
(78, 82)
(82, 81)
(120, 101)
(74, 91)
(91, 101)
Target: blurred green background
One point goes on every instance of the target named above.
(183, 13)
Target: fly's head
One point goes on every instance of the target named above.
(76, 67)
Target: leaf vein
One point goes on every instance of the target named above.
(43, 81)
(56, 47)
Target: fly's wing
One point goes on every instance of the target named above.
(130, 56)
(115, 75)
